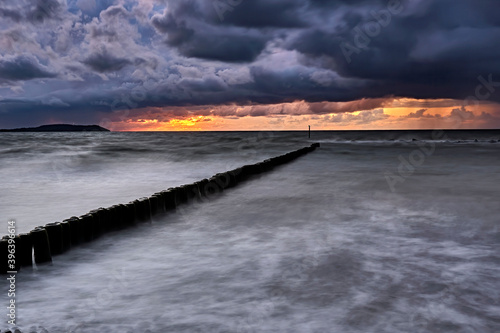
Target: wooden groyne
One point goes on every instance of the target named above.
(42, 243)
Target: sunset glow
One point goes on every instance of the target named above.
(398, 113)
(192, 123)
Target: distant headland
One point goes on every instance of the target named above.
(59, 128)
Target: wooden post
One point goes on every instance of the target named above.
(309, 131)
(41, 246)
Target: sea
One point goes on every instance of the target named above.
(375, 231)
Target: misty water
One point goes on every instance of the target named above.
(353, 237)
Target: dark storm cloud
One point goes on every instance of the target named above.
(213, 84)
(425, 49)
(22, 68)
(260, 13)
(223, 47)
(35, 11)
(204, 52)
(11, 14)
(41, 10)
(194, 38)
(422, 49)
(104, 62)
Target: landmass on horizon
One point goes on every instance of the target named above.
(59, 128)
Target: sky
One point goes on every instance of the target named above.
(146, 65)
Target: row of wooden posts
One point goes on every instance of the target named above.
(39, 245)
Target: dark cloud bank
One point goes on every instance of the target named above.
(78, 59)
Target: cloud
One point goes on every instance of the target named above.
(361, 118)
(23, 67)
(195, 39)
(324, 78)
(489, 120)
(105, 62)
(10, 14)
(260, 14)
(299, 108)
(457, 118)
(54, 101)
(420, 114)
(342, 107)
(429, 103)
(407, 52)
(86, 5)
(462, 113)
(43, 10)
(236, 76)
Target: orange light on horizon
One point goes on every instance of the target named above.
(189, 123)
(403, 113)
